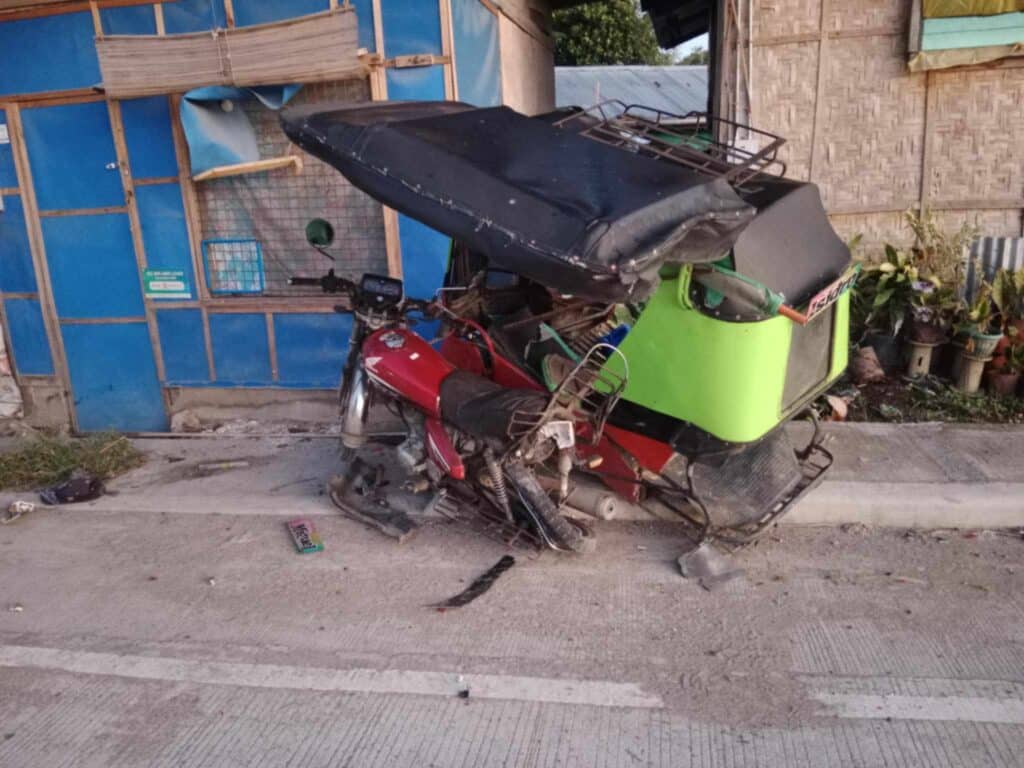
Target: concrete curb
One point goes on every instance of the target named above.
(912, 505)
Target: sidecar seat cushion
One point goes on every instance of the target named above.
(482, 408)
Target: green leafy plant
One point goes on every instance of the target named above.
(976, 318)
(605, 32)
(1014, 362)
(885, 292)
(1008, 298)
(937, 253)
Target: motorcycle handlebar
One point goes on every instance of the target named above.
(329, 283)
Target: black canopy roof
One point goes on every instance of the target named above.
(581, 217)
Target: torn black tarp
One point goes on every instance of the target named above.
(480, 584)
(581, 217)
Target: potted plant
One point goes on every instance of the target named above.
(1008, 298)
(939, 257)
(1005, 379)
(882, 302)
(933, 308)
(977, 335)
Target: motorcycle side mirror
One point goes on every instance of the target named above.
(319, 233)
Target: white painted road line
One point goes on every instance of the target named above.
(595, 693)
(898, 707)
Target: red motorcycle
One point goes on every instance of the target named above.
(468, 436)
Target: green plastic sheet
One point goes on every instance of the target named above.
(939, 9)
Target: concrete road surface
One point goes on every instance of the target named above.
(196, 636)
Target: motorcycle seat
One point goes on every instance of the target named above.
(482, 408)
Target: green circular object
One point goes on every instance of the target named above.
(319, 233)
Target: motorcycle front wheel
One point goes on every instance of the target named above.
(566, 534)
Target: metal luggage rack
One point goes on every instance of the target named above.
(687, 140)
(589, 391)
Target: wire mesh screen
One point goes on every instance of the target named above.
(273, 208)
(233, 266)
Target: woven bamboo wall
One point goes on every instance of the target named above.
(831, 77)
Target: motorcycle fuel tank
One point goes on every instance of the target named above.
(408, 365)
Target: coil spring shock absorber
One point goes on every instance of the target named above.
(498, 481)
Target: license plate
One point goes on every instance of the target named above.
(828, 296)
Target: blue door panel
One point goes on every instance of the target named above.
(410, 27)
(71, 151)
(311, 348)
(183, 346)
(51, 53)
(241, 351)
(164, 231)
(147, 131)
(30, 347)
(17, 275)
(92, 266)
(8, 174)
(113, 377)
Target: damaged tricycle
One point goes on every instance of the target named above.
(634, 306)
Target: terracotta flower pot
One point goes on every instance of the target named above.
(1002, 383)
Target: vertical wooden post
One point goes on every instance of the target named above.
(229, 14)
(272, 345)
(135, 223)
(379, 92)
(451, 82)
(819, 90)
(97, 22)
(926, 139)
(37, 247)
(158, 17)
(192, 223)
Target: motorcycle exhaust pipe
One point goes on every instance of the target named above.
(590, 498)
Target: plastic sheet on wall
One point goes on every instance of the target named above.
(248, 12)
(50, 53)
(113, 376)
(411, 27)
(30, 347)
(92, 266)
(17, 275)
(241, 351)
(128, 20)
(311, 348)
(8, 174)
(147, 130)
(218, 131)
(477, 55)
(935, 9)
(416, 84)
(183, 346)
(184, 16)
(71, 151)
(164, 230)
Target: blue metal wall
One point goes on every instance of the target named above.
(115, 370)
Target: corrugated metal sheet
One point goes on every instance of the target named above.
(987, 256)
(678, 89)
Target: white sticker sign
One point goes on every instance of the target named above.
(4, 136)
